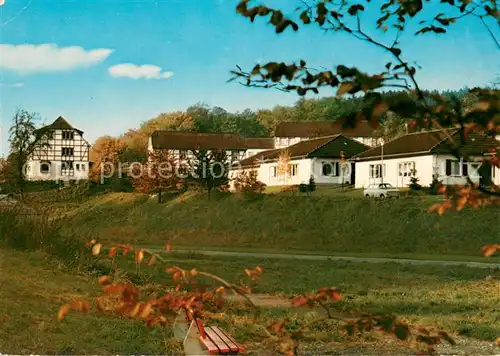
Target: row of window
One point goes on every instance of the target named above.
(453, 168)
(66, 135)
(68, 165)
(292, 171)
(235, 155)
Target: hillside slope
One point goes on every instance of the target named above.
(288, 223)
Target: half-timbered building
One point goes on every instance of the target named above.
(61, 154)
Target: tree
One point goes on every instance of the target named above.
(209, 169)
(160, 173)
(24, 138)
(105, 153)
(391, 127)
(283, 168)
(247, 183)
(428, 109)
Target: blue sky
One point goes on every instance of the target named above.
(195, 43)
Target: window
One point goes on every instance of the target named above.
(67, 165)
(331, 169)
(453, 167)
(83, 167)
(376, 170)
(234, 156)
(67, 135)
(44, 168)
(67, 151)
(406, 168)
(273, 171)
(293, 169)
(77, 166)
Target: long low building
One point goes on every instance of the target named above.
(326, 159)
(426, 155)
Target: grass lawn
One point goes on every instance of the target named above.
(33, 289)
(460, 300)
(288, 223)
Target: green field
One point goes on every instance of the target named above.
(289, 223)
(463, 301)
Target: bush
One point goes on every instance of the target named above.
(247, 184)
(312, 184)
(414, 185)
(303, 188)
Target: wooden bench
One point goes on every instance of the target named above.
(213, 339)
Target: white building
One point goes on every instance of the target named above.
(61, 154)
(182, 145)
(290, 133)
(429, 154)
(320, 158)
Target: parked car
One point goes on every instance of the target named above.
(381, 190)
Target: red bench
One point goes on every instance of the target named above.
(215, 340)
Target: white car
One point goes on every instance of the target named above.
(381, 190)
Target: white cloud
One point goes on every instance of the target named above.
(134, 71)
(13, 85)
(48, 57)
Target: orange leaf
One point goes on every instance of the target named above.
(104, 280)
(63, 311)
(146, 310)
(113, 289)
(135, 310)
(258, 269)
(490, 250)
(152, 260)
(168, 247)
(193, 272)
(139, 256)
(90, 243)
(113, 251)
(96, 249)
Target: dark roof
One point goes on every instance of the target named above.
(323, 147)
(61, 124)
(429, 142)
(259, 143)
(196, 140)
(323, 128)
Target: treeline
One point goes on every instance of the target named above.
(132, 145)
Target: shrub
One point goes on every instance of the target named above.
(246, 183)
(414, 185)
(303, 188)
(312, 184)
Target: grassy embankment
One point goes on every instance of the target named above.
(295, 224)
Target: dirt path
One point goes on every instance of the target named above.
(343, 258)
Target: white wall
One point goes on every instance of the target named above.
(305, 168)
(282, 142)
(319, 178)
(53, 156)
(80, 171)
(253, 151)
(425, 166)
